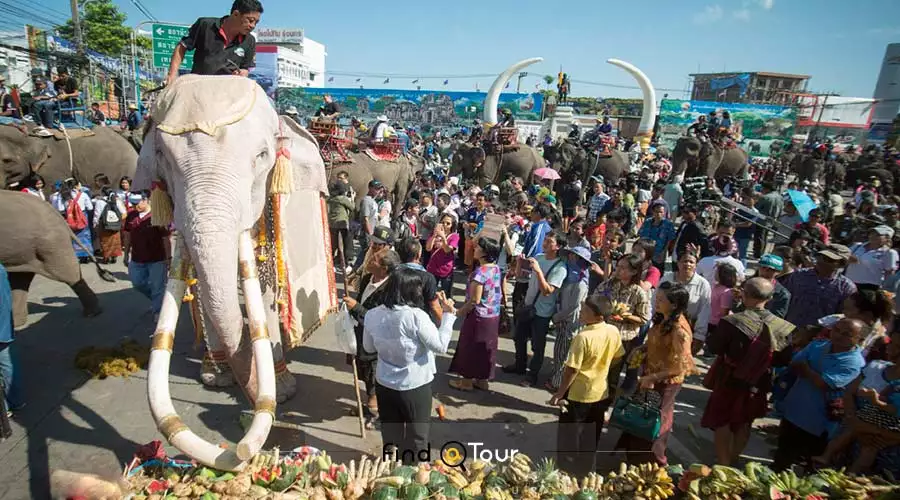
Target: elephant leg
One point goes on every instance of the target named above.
(88, 298)
(215, 370)
(20, 283)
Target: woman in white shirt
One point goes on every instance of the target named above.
(405, 338)
(871, 262)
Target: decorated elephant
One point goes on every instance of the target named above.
(396, 176)
(566, 156)
(245, 190)
(37, 241)
(809, 167)
(857, 175)
(473, 163)
(104, 152)
(693, 159)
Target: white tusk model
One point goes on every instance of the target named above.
(167, 421)
(493, 94)
(648, 118)
(264, 415)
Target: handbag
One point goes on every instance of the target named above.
(834, 399)
(526, 313)
(637, 415)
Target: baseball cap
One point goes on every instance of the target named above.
(382, 236)
(772, 262)
(375, 183)
(836, 252)
(884, 230)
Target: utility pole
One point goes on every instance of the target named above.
(519, 82)
(76, 23)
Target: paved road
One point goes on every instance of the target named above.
(75, 423)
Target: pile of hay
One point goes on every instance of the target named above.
(122, 361)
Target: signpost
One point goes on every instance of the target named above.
(165, 39)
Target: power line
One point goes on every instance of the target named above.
(143, 9)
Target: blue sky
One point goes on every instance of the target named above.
(840, 43)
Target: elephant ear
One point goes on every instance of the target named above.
(37, 154)
(308, 167)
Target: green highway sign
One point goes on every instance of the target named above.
(165, 39)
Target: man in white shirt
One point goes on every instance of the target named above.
(707, 265)
(870, 263)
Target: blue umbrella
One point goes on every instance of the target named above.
(802, 202)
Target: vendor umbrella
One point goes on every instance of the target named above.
(802, 202)
(547, 173)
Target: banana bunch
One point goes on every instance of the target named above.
(789, 483)
(518, 470)
(647, 481)
(495, 493)
(456, 478)
(851, 487)
(720, 483)
(592, 482)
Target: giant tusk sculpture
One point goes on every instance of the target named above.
(167, 420)
(493, 95)
(648, 118)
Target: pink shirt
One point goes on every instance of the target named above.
(441, 263)
(720, 300)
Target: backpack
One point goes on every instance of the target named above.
(75, 217)
(110, 217)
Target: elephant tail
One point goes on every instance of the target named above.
(103, 273)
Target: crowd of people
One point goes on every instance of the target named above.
(633, 287)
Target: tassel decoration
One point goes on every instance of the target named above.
(283, 175)
(161, 210)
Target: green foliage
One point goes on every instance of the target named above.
(549, 80)
(103, 28)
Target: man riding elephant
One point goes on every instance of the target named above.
(693, 158)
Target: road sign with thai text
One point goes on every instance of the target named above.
(165, 39)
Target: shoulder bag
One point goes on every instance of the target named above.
(526, 312)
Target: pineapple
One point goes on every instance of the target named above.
(548, 477)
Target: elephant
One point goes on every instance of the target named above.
(472, 163)
(566, 155)
(809, 167)
(754, 147)
(246, 189)
(38, 241)
(776, 147)
(857, 175)
(134, 137)
(396, 176)
(693, 159)
(105, 152)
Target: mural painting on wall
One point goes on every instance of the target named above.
(756, 126)
(606, 106)
(422, 108)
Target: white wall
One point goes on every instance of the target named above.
(302, 66)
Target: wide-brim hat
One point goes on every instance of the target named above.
(381, 118)
(884, 230)
(292, 110)
(579, 251)
(836, 252)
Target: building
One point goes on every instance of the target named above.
(886, 95)
(778, 89)
(298, 61)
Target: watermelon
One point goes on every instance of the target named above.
(404, 471)
(585, 495)
(413, 491)
(436, 480)
(385, 493)
(287, 478)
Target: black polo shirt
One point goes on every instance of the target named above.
(328, 109)
(66, 85)
(212, 51)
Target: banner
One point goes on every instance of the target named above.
(421, 108)
(265, 73)
(755, 125)
(113, 64)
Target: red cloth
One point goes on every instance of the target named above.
(147, 241)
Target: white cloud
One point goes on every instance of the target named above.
(767, 4)
(742, 15)
(709, 14)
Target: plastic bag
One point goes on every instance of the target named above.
(346, 335)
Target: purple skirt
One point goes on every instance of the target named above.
(476, 351)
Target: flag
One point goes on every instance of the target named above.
(446, 82)
(387, 80)
(331, 79)
(358, 80)
(416, 81)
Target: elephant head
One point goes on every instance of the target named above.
(686, 157)
(20, 155)
(468, 160)
(219, 147)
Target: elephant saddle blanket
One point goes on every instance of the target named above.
(377, 154)
(203, 103)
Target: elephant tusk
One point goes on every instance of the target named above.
(492, 99)
(167, 420)
(264, 415)
(645, 128)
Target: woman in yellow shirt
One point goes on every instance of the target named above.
(584, 392)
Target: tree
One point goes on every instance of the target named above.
(549, 81)
(103, 28)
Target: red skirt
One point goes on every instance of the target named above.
(476, 351)
(731, 405)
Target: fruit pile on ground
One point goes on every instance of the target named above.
(304, 475)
